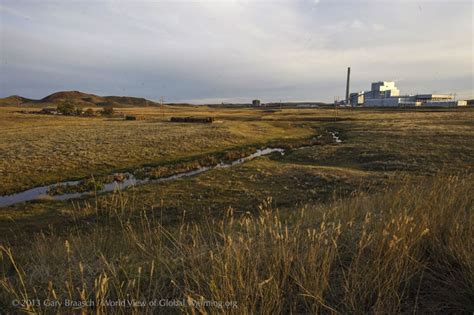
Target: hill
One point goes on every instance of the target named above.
(131, 101)
(13, 100)
(78, 99)
(71, 95)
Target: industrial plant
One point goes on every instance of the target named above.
(386, 94)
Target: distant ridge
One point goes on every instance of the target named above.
(135, 101)
(14, 100)
(69, 95)
(79, 99)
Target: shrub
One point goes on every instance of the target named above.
(66, 108)
(107, 111)
(89, 112)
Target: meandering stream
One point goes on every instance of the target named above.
(42, 191)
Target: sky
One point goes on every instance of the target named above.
(235, 51)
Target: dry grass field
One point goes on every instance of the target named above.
(380, 223)
(42, 149)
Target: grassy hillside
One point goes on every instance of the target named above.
(78, 99)
(14, 100)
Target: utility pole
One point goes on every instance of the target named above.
(162, 108)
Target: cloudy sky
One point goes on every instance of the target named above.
(230, 50)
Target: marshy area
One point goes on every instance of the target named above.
(365, 212)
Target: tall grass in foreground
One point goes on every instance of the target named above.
(405, 250)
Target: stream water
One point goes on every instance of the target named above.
(42, 191)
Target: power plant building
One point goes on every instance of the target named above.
(386, 94)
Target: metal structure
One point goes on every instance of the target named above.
(348, 101)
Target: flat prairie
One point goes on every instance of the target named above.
(366, 211)
(42, 149)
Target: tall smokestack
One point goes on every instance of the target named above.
(347, 85)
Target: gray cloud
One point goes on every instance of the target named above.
(204, 51)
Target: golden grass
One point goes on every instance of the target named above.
(408, 249)
(378, 146)
(40, 149)
(404, 247)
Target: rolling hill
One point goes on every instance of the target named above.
(13, 100)
(78, 99)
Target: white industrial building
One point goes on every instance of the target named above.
(386, 94)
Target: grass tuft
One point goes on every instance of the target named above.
(406, 249)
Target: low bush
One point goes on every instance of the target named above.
(66, 109)
(107, 111)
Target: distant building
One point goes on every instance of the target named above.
(386, 94)
(256, 103)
